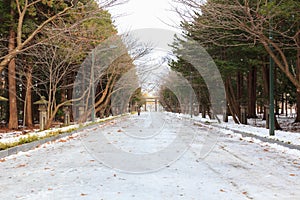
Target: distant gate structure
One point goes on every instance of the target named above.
(151, 102)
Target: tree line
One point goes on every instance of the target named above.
(42, 46)
(241, 37)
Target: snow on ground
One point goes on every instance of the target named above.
(284, 136)
(15, 136)
(235, 168)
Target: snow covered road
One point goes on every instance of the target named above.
(162, 167)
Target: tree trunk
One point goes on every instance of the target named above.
(282, 104)
(265, 73)
(239, 86)
(286, 105)
(298, 77)
(63, 92)
(13, 111)
(63, 97)
(298, 108)
(28, 100)
(232, 104)
(252, 77)
(276, 106)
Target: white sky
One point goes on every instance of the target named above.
(138, 14)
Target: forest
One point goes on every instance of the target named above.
(43, 44)
(245, 39)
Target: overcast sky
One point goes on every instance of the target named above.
(137, 14)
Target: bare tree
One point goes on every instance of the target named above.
(113, 59)
(52, 65)
(274, 25)
(23, 7)
(249, 22)
(57, 20)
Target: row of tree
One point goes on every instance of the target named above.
(43, 44)
(241, 37)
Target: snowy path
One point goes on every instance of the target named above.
(234, 169)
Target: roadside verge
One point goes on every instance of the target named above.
(246, 134)
(34, 144)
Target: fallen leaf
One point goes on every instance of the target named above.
(50, 189)
(266, 149)
(245, 193)
(82, 194)
(119, 130)
(221, 190)
(292, 174)
(61, 140)
(21, 165)
(2, 160)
